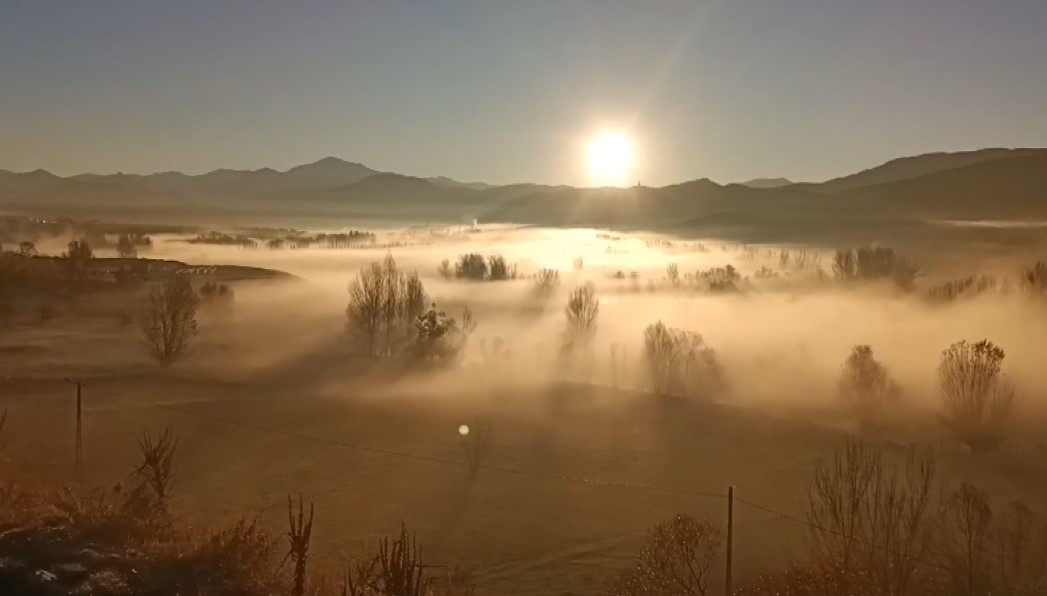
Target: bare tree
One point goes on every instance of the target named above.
(870, 263)
(75, 261)
(471, 266)
(582, 311)
(365, 315)
(445, 270)
(126, 248)
(384, 303)
(168, 320)
(869, 519)
(546, 281)
(977, 396)
(968, 544)
(1035, 279)
(672, 273)
(678, 361)
(866, 387)
(845, 265)
(678, 559)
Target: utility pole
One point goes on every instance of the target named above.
(730, 540)
(78, 458)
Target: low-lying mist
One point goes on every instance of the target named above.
(780, 341)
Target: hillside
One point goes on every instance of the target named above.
(920, 165)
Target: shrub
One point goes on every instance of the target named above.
(977, 396)
(168, 320)
(677, 558)
(156, 470)
(866, 386)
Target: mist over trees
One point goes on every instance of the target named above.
(168, 319)
(866, 387)
(678, 362)
(581, 312)
(384, 303)
(977, 396)
(875, 263)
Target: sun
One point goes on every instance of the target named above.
(611, 157)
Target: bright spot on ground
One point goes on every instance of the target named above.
(463, 429)
(611, 158)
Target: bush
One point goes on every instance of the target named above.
(168, 320)
(977, 396)
(679, 557)
(866, 387)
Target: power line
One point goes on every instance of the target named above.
(420, 457)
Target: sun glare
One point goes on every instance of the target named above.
(610, 159)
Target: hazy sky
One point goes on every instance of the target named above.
(510, 90)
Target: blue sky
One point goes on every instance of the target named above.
(509, 91)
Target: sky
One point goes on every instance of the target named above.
(510, 91)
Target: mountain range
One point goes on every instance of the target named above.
(981, 184)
